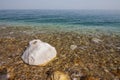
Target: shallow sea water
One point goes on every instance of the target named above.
(80, 21)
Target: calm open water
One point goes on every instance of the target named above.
(68, 19)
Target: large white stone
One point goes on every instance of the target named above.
(38, 53)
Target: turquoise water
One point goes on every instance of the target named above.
(65, 19)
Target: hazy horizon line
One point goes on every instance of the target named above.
(64, 9)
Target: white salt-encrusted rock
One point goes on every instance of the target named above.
(38, 53)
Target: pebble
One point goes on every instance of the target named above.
(73, 47)
(2, 62)
(76, 78)
(96, 40)
(58, 75)
(118, 48)
(11, 32)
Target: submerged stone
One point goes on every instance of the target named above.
(73, 47)
(39, 53)
(58, 75)
(118, 48)
(96, 40)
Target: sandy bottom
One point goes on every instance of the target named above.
(101, 61)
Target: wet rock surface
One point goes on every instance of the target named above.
(87, 62)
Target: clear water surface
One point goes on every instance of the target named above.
(67, 19)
